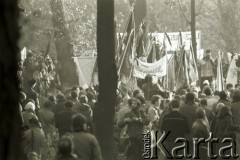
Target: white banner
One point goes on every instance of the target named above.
(174, 38)
(159, 68)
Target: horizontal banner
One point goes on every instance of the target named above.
(159, 68)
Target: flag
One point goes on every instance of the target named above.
(182, 77)
(193, 71)
(168, 38)
(152, 54)
(141, 39)
(219, 78)
(171, 72)
(126, 62)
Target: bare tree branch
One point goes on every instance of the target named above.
(199, 8)
(189, 22)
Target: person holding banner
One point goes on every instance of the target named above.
(150, 88)
(207, 67)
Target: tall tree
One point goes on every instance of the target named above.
(10, 131)
(107, 75)
(67, 71)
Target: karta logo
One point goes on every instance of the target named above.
(180, 147)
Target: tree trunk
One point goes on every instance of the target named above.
(10, 131)
(64, 48)
(107, 73)
(193, 29)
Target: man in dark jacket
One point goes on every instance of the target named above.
(189, 109)
(175, 124)
(135, 119)
(63, 118)
(86, 145)
(60, 106)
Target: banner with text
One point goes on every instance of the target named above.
(174, 38)
(159, 68)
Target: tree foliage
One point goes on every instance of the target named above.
(217, 19)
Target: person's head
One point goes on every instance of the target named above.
(141, 99)
(174, 104)
(237, 86)
(203, 102)
(79, 123)
(200, 113)
(207, 91)
(208, 53)
(236, 96)
(156, 100)
(224, 112)
(148, 79)
(229, 87)
(48, 104)
(190, 98)
(136, 93)
(223, 95)
(76, 88)
(52, 98)
(74, 95)
(60, 97)
(69, 104)
(22, 96)
(177, 97)
(90, 96)
(30, 106)
(65, 146)
(135, 104)
(83, 99)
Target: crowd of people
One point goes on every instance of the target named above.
(59, 123)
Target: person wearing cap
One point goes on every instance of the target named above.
(207, 68)
(28, 114)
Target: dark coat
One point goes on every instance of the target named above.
(189, 111)
(63, 120)
(175, 123)
(60, 106)
(33, 141)
(235, 108)
(86, 146)
(47, 119)
(225, 128)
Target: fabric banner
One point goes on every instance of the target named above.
(159, 68)
(232, 71)
(85, 66)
